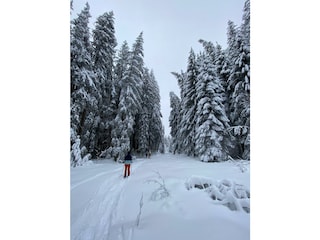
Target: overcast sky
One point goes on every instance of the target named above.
(170, 29)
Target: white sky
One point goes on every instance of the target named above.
(170, 28)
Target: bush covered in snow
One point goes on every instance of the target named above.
(240, 163)
(76, 158)
(226, 192)
(161, 192)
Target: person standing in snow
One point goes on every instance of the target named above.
(127, 162)
(148, 153)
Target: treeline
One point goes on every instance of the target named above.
(115, 99)
(211, 118)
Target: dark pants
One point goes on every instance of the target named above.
(126, 170)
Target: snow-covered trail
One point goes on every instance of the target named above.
(104, 205)
(95, 193)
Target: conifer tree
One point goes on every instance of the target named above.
(142, 132)
(232, 40)
(240, 102)
(189, 106)
(245, 26)
(178, 141)
(149, 130)
(75, 157)
(83, 86)
(223, 70)
(131, 92)
(121, 66)
(212, 121)
(156, 127)
(245, 33)
(130, 99)
(181, 78)
(209, 48)
(104, 43)
(174, 122)
(239, 84)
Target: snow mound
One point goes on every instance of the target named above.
(226, 192)
(198, 182)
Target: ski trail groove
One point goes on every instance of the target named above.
(113, 203)
(104, 200)
(92, 178)
(90, 227)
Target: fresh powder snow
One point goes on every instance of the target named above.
(166, 197)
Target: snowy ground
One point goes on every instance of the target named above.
(197, 201)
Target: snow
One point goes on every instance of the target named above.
(160, 200)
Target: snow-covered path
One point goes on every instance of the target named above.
(95, 193)
(104, 205)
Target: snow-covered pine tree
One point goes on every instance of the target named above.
(212, 121)
(209, 48)
(83, 89)
(154, 109)
(162, 144)
(174, 122)
(75, 155)
(142, 129)
(245, 33)
(232, 41)
(131, 89)
(222, 66)
(121, 66)
(130, 100)
(181, 78)
(104, 43)
(245, 26)
(231, 54)
(188, 102)
(239, 85)
(240, 101)
(148, 130)
(223, 70)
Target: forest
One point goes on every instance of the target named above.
(211, 117)
(115, 100)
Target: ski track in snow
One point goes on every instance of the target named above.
(90, 227)
(92, 178)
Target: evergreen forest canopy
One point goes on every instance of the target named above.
(115, 99)
(211, 118)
